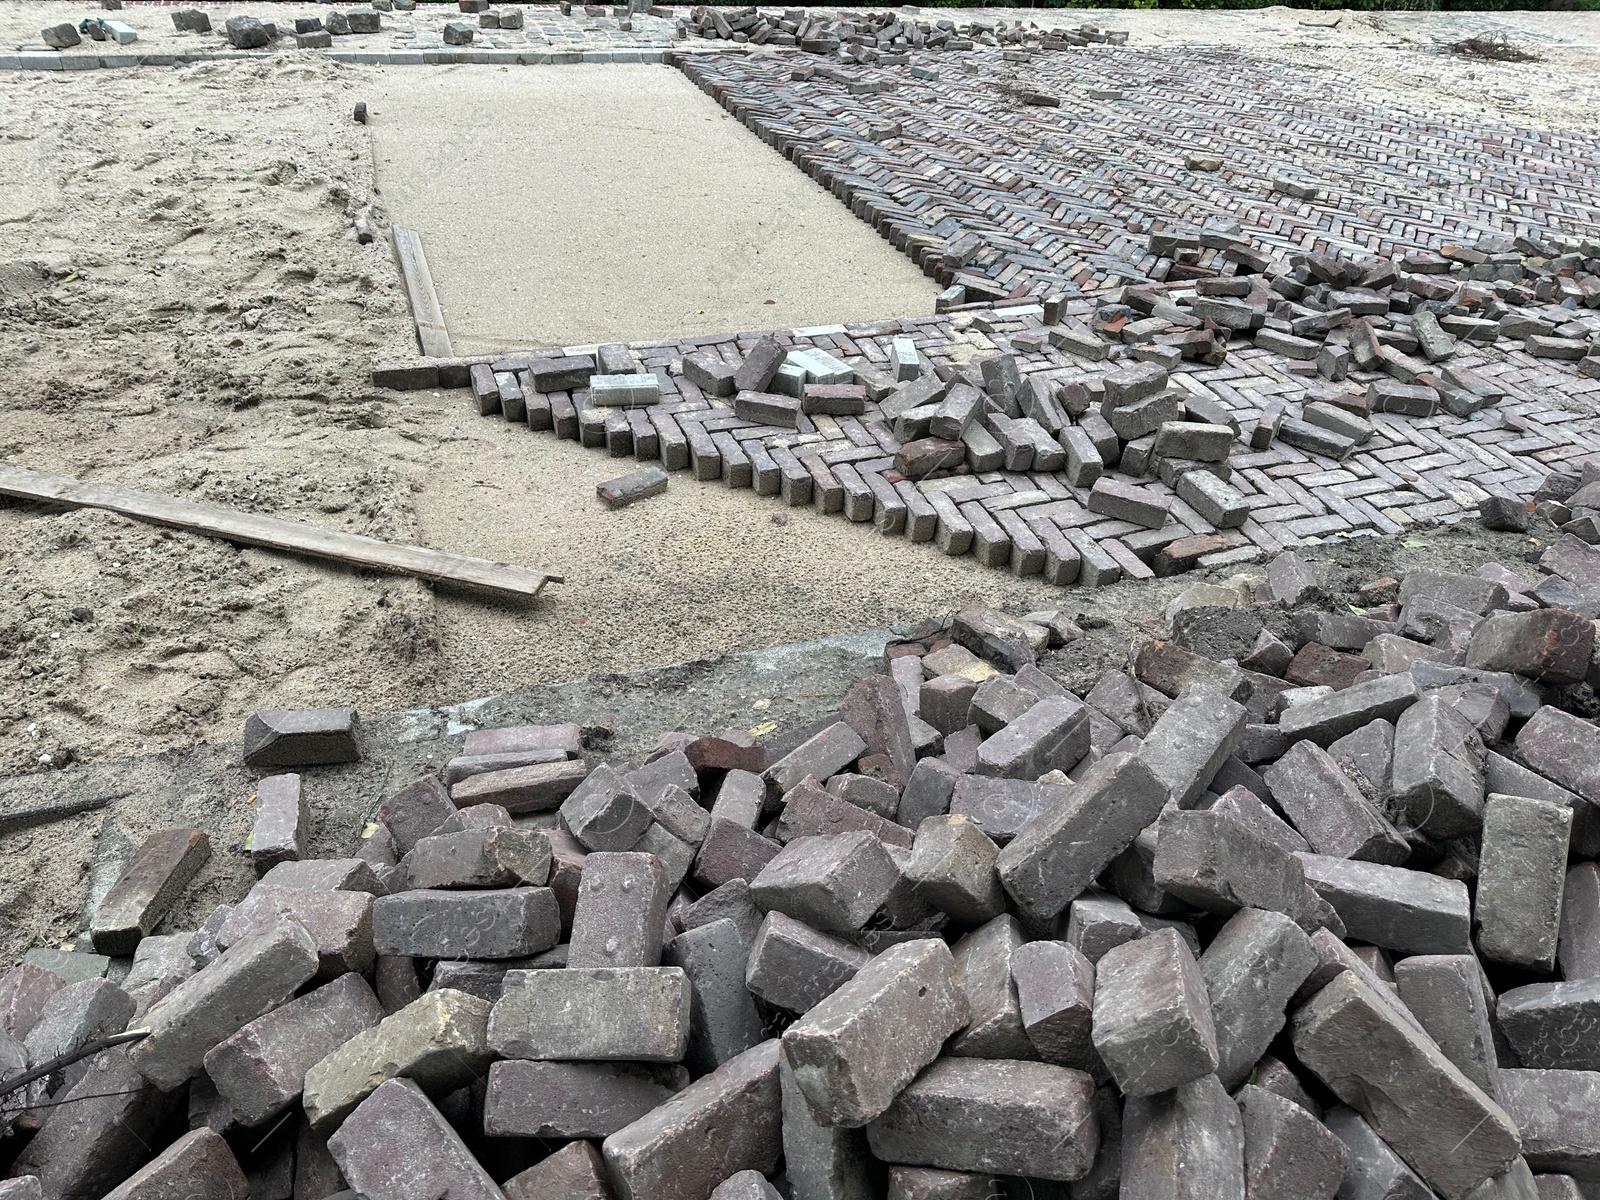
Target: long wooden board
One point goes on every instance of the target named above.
(425, 310)
(252, 529)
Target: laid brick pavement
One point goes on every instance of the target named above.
(1062, 199)
(1410, 474)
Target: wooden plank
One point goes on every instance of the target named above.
(425, 310)
(252, 529)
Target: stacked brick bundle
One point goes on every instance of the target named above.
(878, 36)
(1303, 904)
(1404, 316)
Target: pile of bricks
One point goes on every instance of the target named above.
(883, 37)
(1303, 903)
(309, 33)
(1404, 316)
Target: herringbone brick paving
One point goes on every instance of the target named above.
(1063, 198)
(1411, 473)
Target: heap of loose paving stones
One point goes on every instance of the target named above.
(1303, 903)
(881, 37)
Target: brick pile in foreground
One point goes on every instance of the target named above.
(1304, 903)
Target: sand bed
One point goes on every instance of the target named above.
(566, 205)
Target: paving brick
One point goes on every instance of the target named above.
(729, 902)
(1128, 502)
(1097, 921)
(1002, 808)
(992, 635)
(1325, 720)
(1419, 1102)
(1061, 851)
(746, 1185)
(313, 874)
(822, 1161)
(1242, 805)
(415, 811)
(810, 811)
(574, 1100)
(593, 1013)
(1438, 769)
(252, 977)
(983, 971)
(159, 964)
(396, 1139)
(632, 487)
(1372, 1167)
(1549, 1024)
(260, 1070)
(1052, 735)
(732, 852)
(1054, 983)
(1190, 741)
(148, 887)
(24, 991)
(493, 857)
(1446, 995)
(76, 1015)
(301, 738)
(100, 1134)
(1399, 909)
(1152, 1022)
(952, 867)
(339, 922)
(1549, 645)
(574, 1172)
(1563, 748)
(281, 826)
(509, 923)
(832, 883)
(1185, 1144)
(794, 967)
(1209, 860)
(1218, 501)
(723, 1021)
(604, 813)
(1578, 949)
(438, 1041)
(739, 800)
(856, 1050)
(873, 708)
(1521, 877)
(1557, 1114)
(724, 1123)
(1330, 810)
(826, 754)
(621, 912)
(1030, 1119)
(198, 1164)
(1251, 970)
(1288, 1153)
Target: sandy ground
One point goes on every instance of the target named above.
(183, 307)
(576, 204)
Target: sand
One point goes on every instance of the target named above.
(575, 204)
